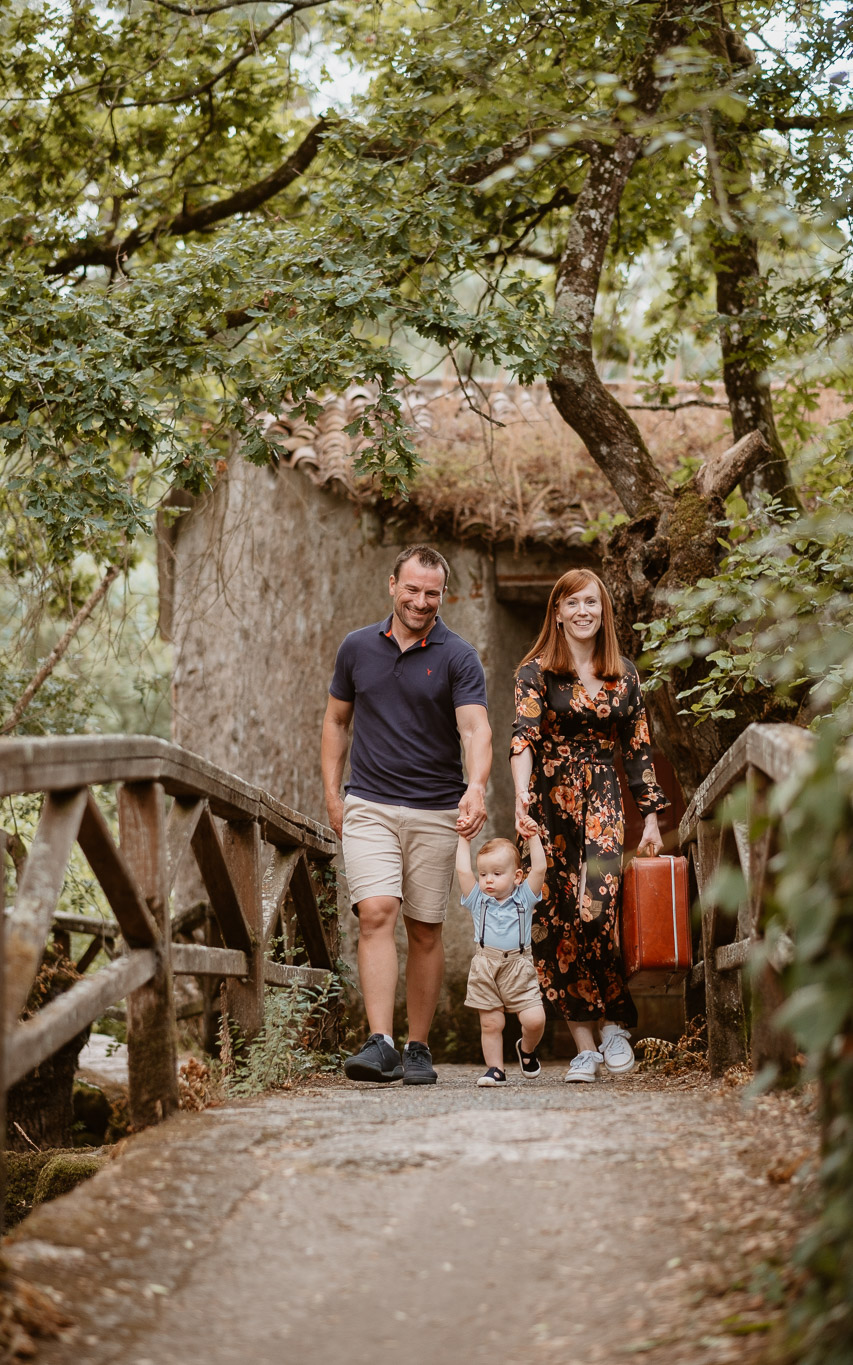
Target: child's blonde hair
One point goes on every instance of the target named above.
(495, 845)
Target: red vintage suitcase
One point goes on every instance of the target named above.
(656, 943)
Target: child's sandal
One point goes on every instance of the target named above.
(494, 1076)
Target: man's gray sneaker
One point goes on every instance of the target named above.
(377, 1061)
(417, 1065)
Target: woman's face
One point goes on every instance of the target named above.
(580, 614)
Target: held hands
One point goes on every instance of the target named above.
(651, 843)
(523, 823)
(472, 812)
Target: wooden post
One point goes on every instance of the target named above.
(244, 999)
(723, 999)
(769, 1045)
(151, 1038)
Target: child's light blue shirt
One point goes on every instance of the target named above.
(502, 924)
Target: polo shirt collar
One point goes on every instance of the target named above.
(436, 636)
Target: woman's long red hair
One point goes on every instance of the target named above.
(552, 647)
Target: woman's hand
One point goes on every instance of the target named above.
(522, 819)
(651, 843)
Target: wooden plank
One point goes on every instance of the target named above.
(274, 888)
(283, 974)
(180, 827)
(216, 875)
(52, 763)
(116, 879)
(244, 998)
(38, 892)
(64, 1017)
(197, 959)
(287, 827)
(778, 750)
(763, 845)
(730, 957)
(697, 976)
(308, 914)
(719, 781)
(86, 924)
(775, 750)
(151, 1034)
(84, 962)
(723, 998)
(189, 917)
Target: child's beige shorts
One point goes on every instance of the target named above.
(403, 852)
(499, 980)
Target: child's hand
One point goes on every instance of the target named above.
(528, 827)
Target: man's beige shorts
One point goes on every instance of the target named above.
(403, 852)
(499, 980)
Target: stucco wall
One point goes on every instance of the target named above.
(270, 573)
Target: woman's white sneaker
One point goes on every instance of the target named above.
(616, 1051)
(584, 1067)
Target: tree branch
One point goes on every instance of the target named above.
(722, 473)
(610, 434)
(246, 200)
(195, 12)
(673, 407)
(59, 649)
(258, 39)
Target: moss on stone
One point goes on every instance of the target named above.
(63, 1172)
(22, 1172)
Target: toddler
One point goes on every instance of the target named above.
(502, 974)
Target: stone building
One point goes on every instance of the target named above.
(262, 577)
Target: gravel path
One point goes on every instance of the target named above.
(540, 1223)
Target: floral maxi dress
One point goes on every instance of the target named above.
(577, 802)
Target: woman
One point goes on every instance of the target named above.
(576, 699)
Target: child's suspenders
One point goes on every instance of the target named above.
(520, 914)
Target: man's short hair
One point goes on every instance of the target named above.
(425, 555)
(501, 846)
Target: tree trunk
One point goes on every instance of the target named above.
(738, 280)
(671, 540)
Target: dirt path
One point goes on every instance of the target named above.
(540, 1223)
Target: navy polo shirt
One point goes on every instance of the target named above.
(405, 746)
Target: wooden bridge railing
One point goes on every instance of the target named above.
(252, 853)
(762, 756)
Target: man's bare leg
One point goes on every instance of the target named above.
(377, 960)
(424, 975)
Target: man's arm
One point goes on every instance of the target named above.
(333, 756)
(476, 735)
(467, 880)
(538, 865)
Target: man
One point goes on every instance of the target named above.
(412, 690)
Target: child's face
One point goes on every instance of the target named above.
(498, 874)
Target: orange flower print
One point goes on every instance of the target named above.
(530, 707)
(578, 802)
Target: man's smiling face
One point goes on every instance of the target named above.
(417, 594)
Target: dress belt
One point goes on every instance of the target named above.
(590, 751)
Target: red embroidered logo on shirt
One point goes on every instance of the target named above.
(429, 670)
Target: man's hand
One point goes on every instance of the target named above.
(335, 807)
(336, 723)
(472, 811)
